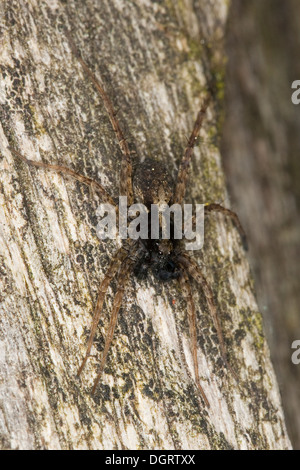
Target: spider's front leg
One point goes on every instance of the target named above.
(195, 272)
(109, 275)
(123, 278)
(184, 283)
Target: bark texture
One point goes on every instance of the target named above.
(261, 160)
(155, 59)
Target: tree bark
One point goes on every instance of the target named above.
(156, 61)
(261, 160)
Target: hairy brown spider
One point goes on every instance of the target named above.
(165, 259)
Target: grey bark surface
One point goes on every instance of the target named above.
(155, 60)
(261, 160)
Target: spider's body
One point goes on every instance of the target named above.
(152, 184)
(164, 258)
(161, 264)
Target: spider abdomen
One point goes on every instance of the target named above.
(152, 183)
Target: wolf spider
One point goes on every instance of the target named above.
(152, 184)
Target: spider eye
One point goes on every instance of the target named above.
(164, 247)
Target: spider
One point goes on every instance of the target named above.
(165, 259)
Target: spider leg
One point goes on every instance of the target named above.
(218, 208)
(113, 268)
(122, 282)
(195, 272)
(68, 171)
(126, 165)
(187, 292)
(115, 264)
(182, 177)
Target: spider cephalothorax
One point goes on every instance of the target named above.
(155, 260)
(164, 258)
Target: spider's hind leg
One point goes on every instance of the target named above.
(94, 185)
(223, 210)
(126, 164)
(182, 177)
